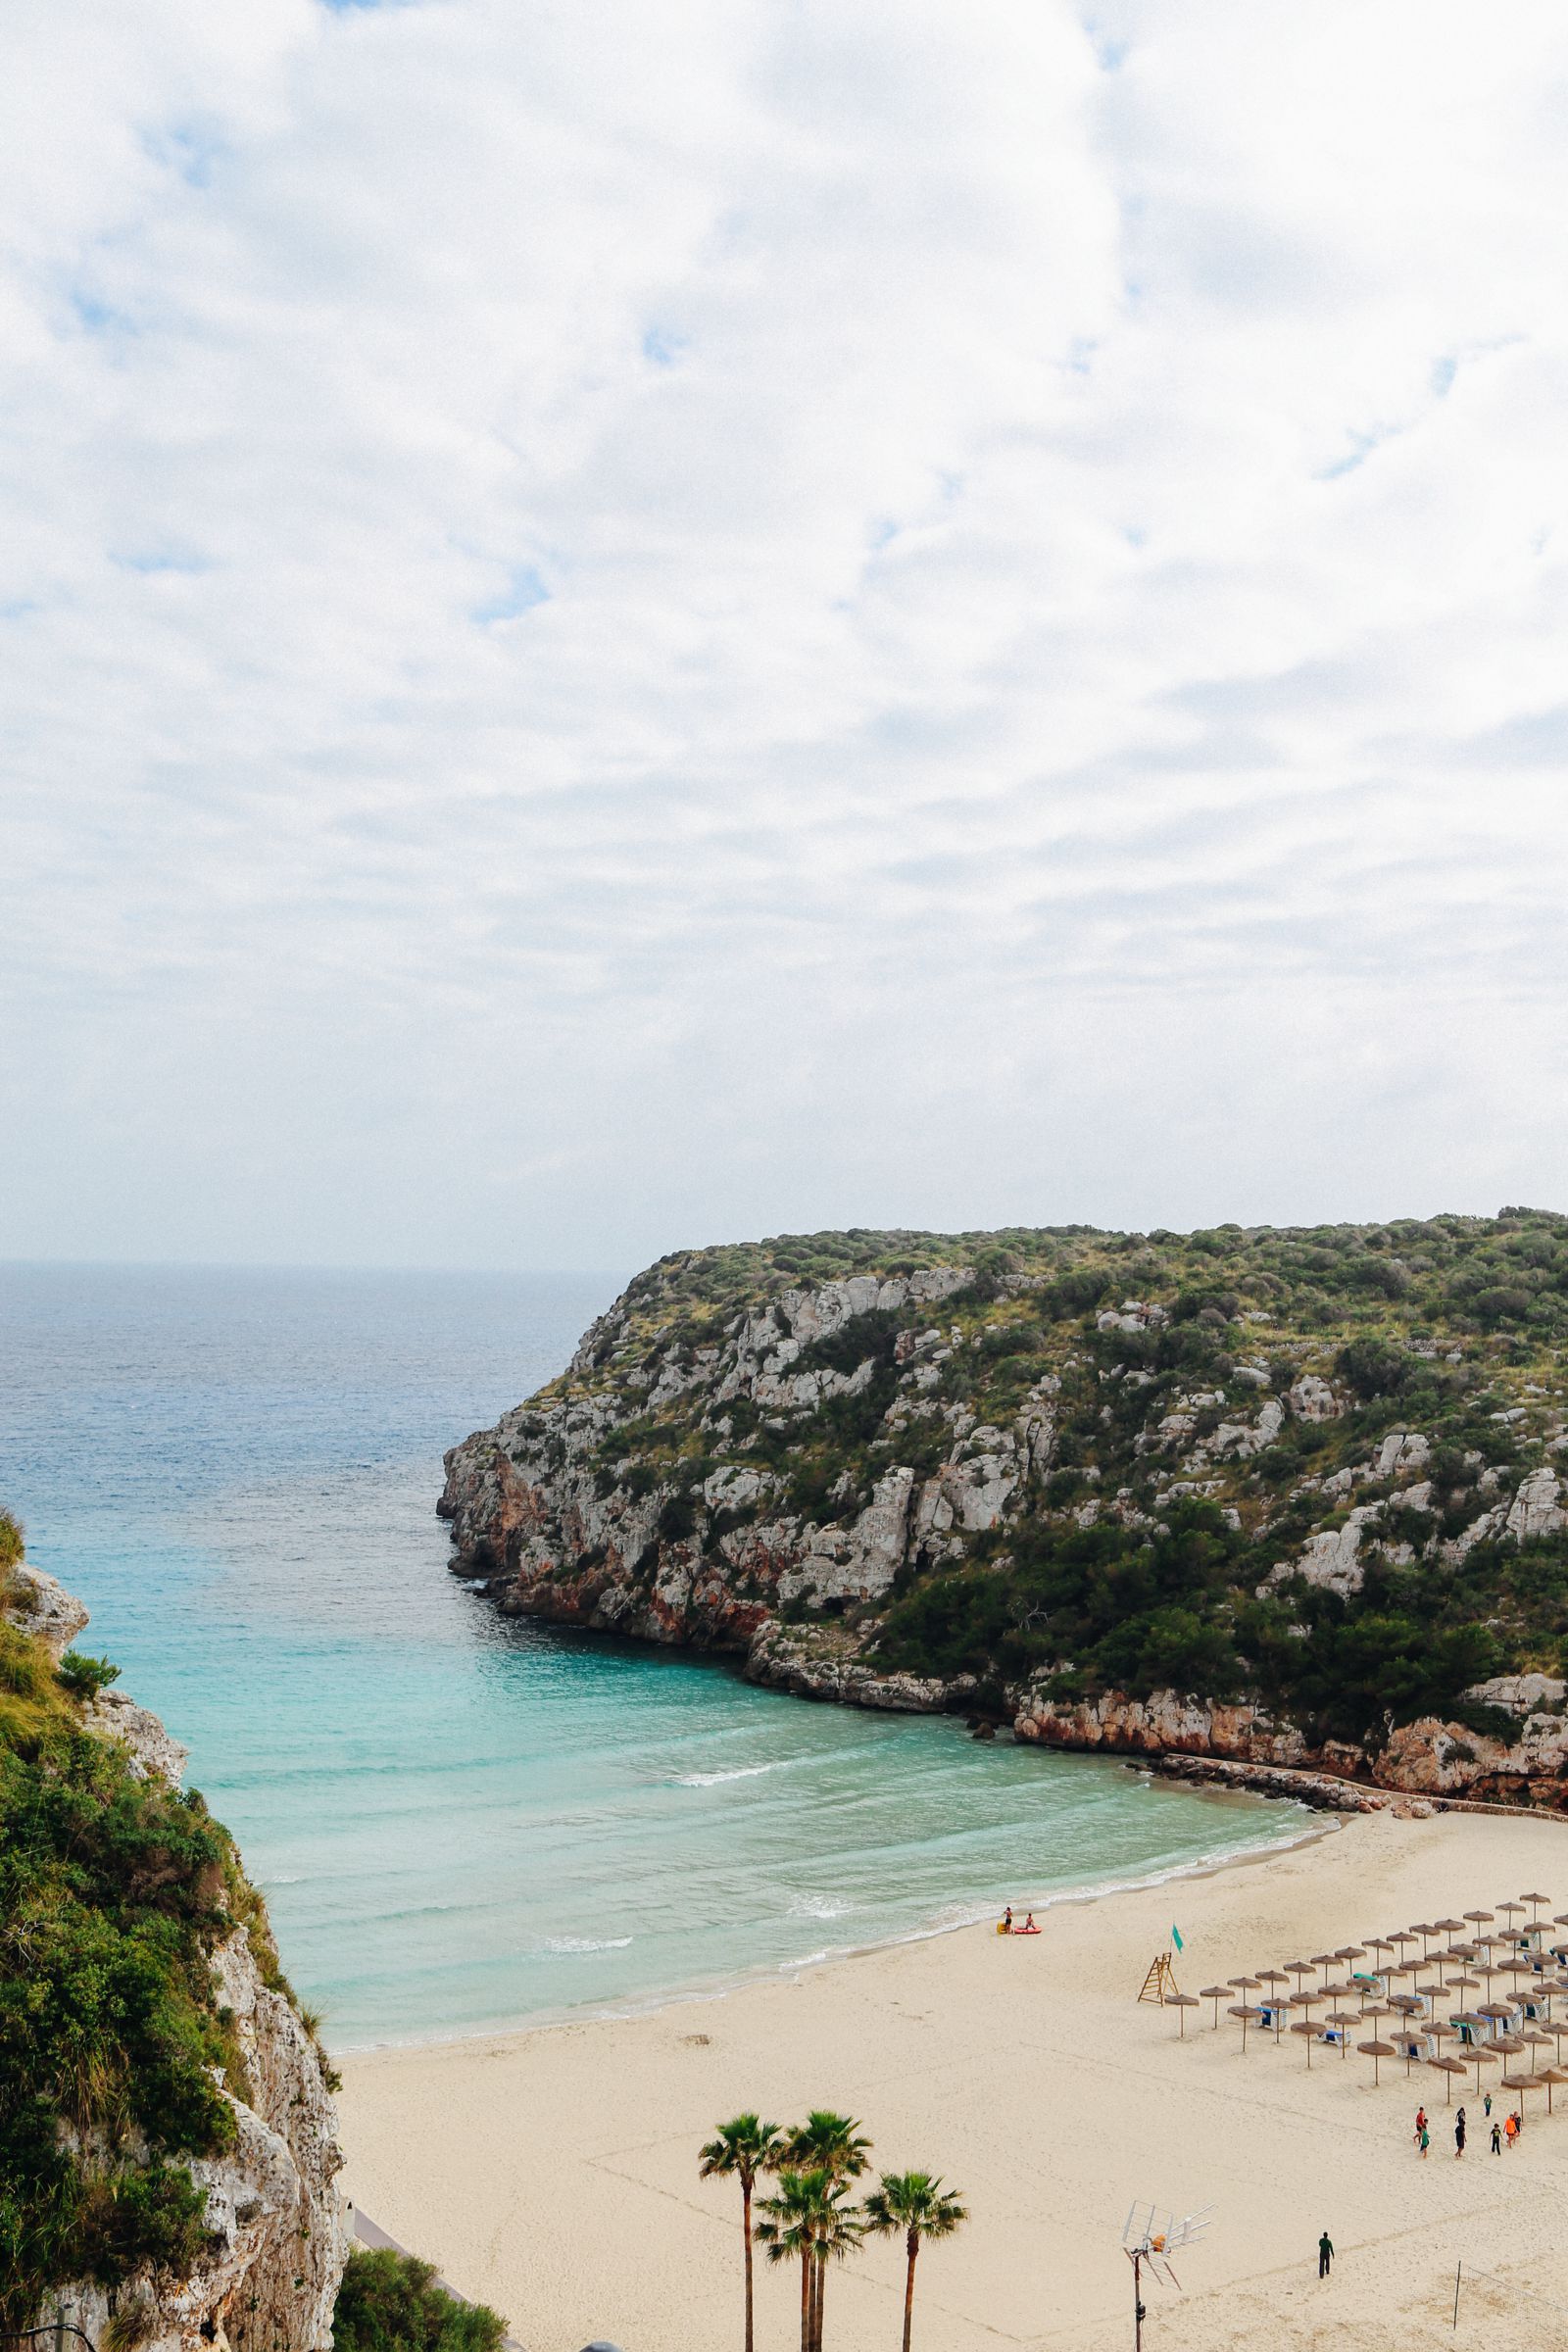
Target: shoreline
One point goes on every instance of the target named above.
(553, 2173)
(627, 2006)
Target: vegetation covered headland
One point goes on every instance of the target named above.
(1292, 1496)
(166, 2132)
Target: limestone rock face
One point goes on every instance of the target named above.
(1332, 1558)
(1160, 1725)
(535, 1512)
(1537, 1510)
(40, 1604)
(278, 2230)
(1312, 1400)
(154, 1756)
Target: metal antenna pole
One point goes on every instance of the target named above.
(1138, 2302)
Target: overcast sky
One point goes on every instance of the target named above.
(626, 623)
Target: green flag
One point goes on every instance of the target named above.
(1176, 1937)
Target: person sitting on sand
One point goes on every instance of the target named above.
(1028, 1928)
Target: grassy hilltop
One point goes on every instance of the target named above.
(1172, 1495)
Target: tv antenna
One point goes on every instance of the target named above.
(1149, 2244)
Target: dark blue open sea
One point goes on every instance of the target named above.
(461, 1821)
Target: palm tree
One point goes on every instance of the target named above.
(788, 2228)
(917, 2204)
(829, 2143)
(741, 2149)
(811, 2218)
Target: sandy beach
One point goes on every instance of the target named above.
(553, 2173)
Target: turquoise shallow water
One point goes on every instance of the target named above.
(461, 1821)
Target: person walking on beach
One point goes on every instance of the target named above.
(1487, 2104)
(1420, 2121)
(1497, 2139)
(1511, 2130)
(1459, 2135)
(1325, 2254)
(1423, 2139)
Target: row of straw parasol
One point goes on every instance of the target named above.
(1477, 2031)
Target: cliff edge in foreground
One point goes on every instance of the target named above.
(168, 2138)
(1285, 1496)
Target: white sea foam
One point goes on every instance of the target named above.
(806, 1960)
(818, 1907)
(585, 1943)
(710, 1780)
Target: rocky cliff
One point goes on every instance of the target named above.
(1282, 1496)
(261, 2236)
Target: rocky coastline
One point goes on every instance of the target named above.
(767, 1468)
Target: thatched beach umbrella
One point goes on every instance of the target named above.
(1343, 2019)
(1510, 1912)
(1323, 1959)
(1425, 1929)
(1269, 1977)
(1534, 1901)
(1215, 1993)
(1448, 1927)
(1521, 2084)
(1300, 1968)
(1449, 2067)
(1377, 2051)
(1497, 2013)
(1551, 2074)
(1244, 1984)
(1378, 1944)
(1507, 2046)
(1182, 2003)
(1351, 1951)
(1401, 1937)
(1248, 2016)
(1309, 2034)
(1478, 2055)
(1277, 2009)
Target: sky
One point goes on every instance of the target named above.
(636, 622)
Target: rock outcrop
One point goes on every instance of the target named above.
(742, 1459)
(278, 2233)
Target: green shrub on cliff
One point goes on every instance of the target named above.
(390, 2302)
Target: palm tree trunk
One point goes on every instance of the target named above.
(746, 2218)
(908, 2288)
(821, 2287)
(806, 2300)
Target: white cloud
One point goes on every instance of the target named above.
(626, 623)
